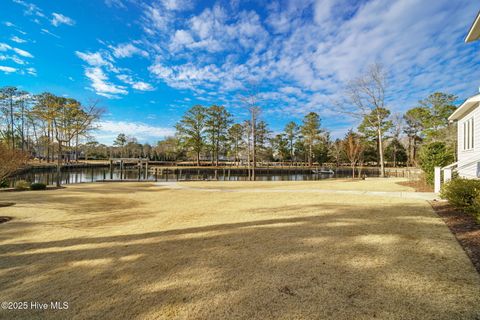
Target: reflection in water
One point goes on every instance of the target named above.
(93, 174)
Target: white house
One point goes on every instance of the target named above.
(467, 117)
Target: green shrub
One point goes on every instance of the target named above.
(38, 186)
(4, 184)
(435, 154)
(22, 185)
(463, 194)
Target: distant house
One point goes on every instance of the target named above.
(467, 117)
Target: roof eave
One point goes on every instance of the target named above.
(464, 108)
(474, 32)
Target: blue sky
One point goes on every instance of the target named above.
(147, 62)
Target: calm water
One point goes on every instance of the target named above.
(81, 175)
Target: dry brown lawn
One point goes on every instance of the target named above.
(141, 251)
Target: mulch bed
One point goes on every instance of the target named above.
(464, 227)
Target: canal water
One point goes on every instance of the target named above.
(94, 174)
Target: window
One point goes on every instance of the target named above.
(468, 134)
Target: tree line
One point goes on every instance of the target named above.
(52, 128)
(209, 134)
(45, 126)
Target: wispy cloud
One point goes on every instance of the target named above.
(300, 54)
(10, 54)
(46, 31)
(17, 39)
(138, 85)
(115, 3)
(23, 53)
(58, 19)
(110, 129)
(95, 59)
(30, 8)
(127, 50)
(32, 71)
(6, 69)
(101, 84)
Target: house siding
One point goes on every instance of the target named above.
(471, 170)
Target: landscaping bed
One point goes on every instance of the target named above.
(464, 227)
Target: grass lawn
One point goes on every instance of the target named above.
(142, 251)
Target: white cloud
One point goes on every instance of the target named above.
(110, 129)
(59, 19)
(17, 39)
(115, 3)
(138, 85)
(46, 31)
(160, 71)
(127, 50)
(32, 71)
(323, 10)
(101, 85)
(156, 19)
(17, 60)
(177, 5)
(7, 69)
(4, 47)
(186, 75)
(95, 59)
(142, 86)
(302, 52)
(180, 39)
(30, 8)
(23, 53)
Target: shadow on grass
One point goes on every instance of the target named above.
(392, 262)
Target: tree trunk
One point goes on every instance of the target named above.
(198, 158)
(310, 151)
(254, 146)
(23, 127)
(395, 156)
(11, 123)
(76, 148)
(59, 163)
(380, 152)
(248, 159)
(414, 158)
(48, 143)
(216, 153)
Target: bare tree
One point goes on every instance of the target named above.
(248, 136)
(10, 161)
(353, 147)
(251, 101)
(367, 94)
(70, 119)
(336, 151)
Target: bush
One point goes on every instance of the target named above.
(22, 185)
(435, 154)
(463, 194)
(4, 184)
(38, 186)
